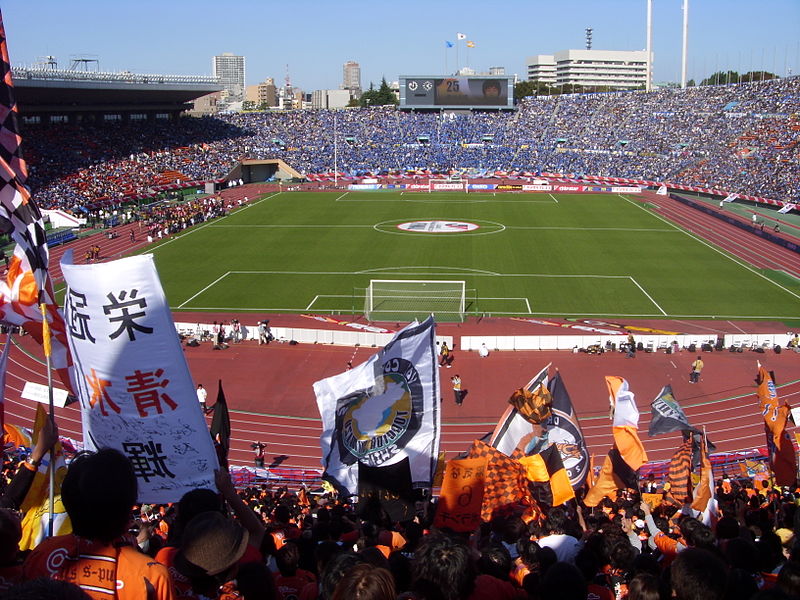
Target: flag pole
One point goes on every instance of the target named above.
(52, 415)
(335, 154)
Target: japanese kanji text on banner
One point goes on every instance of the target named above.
(133, 382)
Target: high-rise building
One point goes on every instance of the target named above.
(263, 94)
(230, 70)
(330, 98)
(590, 68)
(351, 76)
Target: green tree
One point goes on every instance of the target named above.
(380, 97)
(523, 89)
(721, 78)
(248, 105)
(758, 76)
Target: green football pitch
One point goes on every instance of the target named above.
(518, 254)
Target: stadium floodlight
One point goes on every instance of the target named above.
(406, 299)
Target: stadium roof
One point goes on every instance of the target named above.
(40, 91)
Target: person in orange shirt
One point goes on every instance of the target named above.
(98, 492)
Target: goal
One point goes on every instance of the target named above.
(407, 299)
(448, 185)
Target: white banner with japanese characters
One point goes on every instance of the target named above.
(133, 382)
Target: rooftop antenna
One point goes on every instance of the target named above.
(288, 79)
(589, 31)
(47, 62)
(82, 62)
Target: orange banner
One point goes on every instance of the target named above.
(653, 499)
(461, 497)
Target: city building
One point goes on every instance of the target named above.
(618, 69)
(351, 77)
(229, 68)
(330, 99)
(263, 94)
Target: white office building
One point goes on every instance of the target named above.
(620, 69)
(330, 98)
(230, 70)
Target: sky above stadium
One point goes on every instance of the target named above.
(388, 39)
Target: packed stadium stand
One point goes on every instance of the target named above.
(742, 138)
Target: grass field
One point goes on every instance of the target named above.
(567, 255)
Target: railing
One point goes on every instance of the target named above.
(24, 73)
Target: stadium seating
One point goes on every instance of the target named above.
(742, 138)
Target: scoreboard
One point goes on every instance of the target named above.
(486, 92)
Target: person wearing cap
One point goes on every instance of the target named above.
(211, 547)
(98, 492)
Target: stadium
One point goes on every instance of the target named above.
(547, 234)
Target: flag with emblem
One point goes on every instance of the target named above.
(383, 411)
(520, 424)
(774, 410)
(667, 415)
(564, 432)
(26, 285)
(621, 466)
(776, 413)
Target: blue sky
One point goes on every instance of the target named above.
(390, 38)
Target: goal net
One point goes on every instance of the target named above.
(407, 299)
(447, 185)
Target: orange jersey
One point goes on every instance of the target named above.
(102, 571)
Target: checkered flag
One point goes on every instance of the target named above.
(505, 485)
(26, 284)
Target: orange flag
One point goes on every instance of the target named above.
(461, 497)
(621, 466)
(774, 411)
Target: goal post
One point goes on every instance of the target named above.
(407, 299)
(448, 185)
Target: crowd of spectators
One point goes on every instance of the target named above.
(741, 138)
(265, 543)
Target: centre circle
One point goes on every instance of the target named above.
(438, 226)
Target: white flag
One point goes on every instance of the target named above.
(383, 411)
(132, 379)
(461, 36)
(662, 191)
(730, 197)
(786, 208)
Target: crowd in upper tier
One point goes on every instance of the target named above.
(741, 138)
